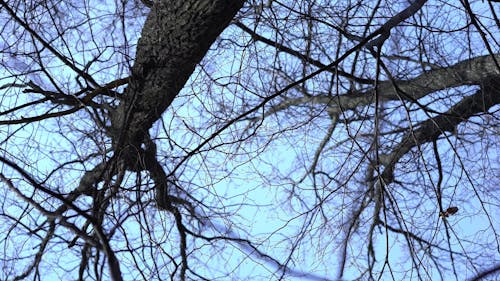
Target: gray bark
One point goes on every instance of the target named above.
(467, 72)
(175, 38)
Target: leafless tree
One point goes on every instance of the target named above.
(249, 140)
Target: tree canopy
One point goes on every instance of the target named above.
(249, 140)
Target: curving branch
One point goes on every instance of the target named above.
(466, 72)
(490, 271)
(429, 130)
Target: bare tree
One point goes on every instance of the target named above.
(255, 140)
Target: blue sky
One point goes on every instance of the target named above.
(254, 180)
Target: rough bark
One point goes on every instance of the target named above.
(430, 130)
(175, 37)
(467, 72)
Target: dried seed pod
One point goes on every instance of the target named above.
(448, 212)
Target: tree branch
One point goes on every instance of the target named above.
(466, 72)
(429, 130)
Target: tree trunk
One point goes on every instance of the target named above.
(175, 37)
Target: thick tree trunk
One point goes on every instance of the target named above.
(176, 36)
